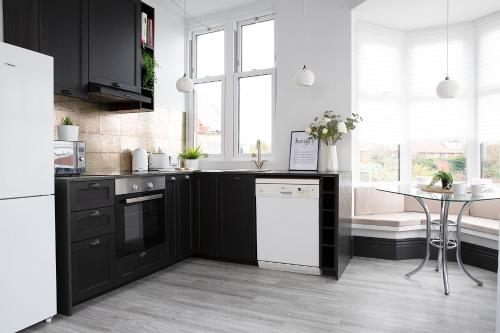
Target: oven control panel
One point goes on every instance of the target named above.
(138, 184)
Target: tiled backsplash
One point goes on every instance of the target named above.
(111, 137)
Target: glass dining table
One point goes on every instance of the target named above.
(439, 233)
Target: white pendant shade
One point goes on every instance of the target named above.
(185, 84)
(304, 77)
(447, 88)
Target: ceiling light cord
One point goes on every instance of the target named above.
(185, 13)
(447, 36)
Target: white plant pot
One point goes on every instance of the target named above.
(67, 132)
(328, 159)
(191, 164)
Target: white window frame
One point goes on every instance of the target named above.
(252, 73)
(472, 145)
(207, 79)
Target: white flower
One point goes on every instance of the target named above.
(308, 130)
(341, 127)
(325, 130)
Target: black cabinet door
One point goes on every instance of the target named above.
(92, 194)
(237, 218)
(171, 239)
(20, 19)
(114, 43)
(205, 233)
(92, 266)
(184, 204)
(64, 36)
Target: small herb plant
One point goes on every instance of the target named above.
(150, 66)
(192, 153)
(445, 177)
(67, 121)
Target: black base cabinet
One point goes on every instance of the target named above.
(179, 212)
(92, 265)
(238, 234)
(211, 215)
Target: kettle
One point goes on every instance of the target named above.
(140, 160)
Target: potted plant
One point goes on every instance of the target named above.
(67, 130)
(446, 180)
(150, 65)
(191, 157)
(329, 129)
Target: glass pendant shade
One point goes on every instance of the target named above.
(447, 88)
(185, 84)
(304, 77)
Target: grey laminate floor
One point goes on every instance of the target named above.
(207, 296)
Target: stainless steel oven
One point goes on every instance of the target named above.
(140, 214)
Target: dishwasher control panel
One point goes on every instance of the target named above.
(287, 188)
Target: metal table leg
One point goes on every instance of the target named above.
(459, 255)
(444, 243)
(428, 238)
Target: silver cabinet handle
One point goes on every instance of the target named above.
(145, 198)
(172, 179)
(143, 254)
(94, 213)
(186, 177)
(95, 242)
(94, 185)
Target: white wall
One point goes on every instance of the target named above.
(327, 52)
(169, 53)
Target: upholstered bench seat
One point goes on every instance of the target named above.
(487, 226)
(404, 219)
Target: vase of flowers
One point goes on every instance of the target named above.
(329, 129)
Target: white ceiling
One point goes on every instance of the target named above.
(415, 14)
(199, 8)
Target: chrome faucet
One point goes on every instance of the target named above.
(259, 163)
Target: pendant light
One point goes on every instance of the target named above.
(447, 88)
(185, 83)
(304, 77)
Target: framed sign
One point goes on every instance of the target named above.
(303, 152)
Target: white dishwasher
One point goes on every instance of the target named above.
(288, 224)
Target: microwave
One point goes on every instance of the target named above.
(69, 157)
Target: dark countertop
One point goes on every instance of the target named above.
(114, 175)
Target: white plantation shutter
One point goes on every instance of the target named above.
(379, 88)
(489, 81)
(431, 117)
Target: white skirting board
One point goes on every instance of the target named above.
(289, 267)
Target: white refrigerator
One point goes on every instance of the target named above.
(27, 221)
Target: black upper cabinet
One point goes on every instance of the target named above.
(237, 218)
(20, 19)
(64, 36)
(114, 43)
(205, 215)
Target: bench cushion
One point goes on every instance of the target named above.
(412, 205)
(488, 226)
(489, 209)
(367, 200)
(389, 219)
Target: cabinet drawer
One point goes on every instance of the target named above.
(92, 194)
(92, 267)
(138, 264)
(92, 223)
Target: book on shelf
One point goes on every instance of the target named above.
(144, 27)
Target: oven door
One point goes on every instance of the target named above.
(140, 222)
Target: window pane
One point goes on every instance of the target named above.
(208, 117)
(490, 161)
(431, 156)
(210, 54)
(379, 162)
(256, 111)
(257, 46)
